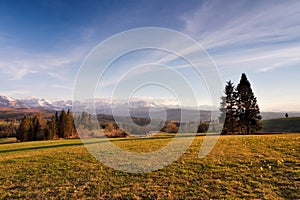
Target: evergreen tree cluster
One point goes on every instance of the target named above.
(85, 120)
(59, 126)
(239, 109)
(203, 127)
(8, 128)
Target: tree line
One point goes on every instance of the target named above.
(239, 109)
(35, 128)
(239, 113)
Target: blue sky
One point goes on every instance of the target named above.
(43, 43)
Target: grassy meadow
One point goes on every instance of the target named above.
(291, 124)
(256, 167)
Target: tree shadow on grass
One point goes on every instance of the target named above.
(44, 147)
(88, 142)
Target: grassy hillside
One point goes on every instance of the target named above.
(282, 125)
(256, 167)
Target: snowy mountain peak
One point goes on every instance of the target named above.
(8, 98)
(26, 103)
(103, 105)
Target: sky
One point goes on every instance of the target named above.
(44, 43)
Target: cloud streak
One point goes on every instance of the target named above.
(263, 34)
(19, 64)
(260, 59)
(242, 23)
(14, 92)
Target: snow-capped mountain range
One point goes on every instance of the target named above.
(104, 105)
(10, 102)
(138, 107)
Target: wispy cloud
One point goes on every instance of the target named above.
(260, 35)
(17, 70)
(63, 87)
(20, 63)
(217, 24)
(263, 35)
(260, 59)
(14, 93)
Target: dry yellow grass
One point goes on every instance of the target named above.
(258, 167)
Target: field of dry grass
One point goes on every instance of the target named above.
(256, 167)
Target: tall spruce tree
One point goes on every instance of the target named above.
(228, 109)
(37, 128)
(52, 128)
(66, 127)
(62, 129)
(247, 110)
(25, 130)
(69, 124)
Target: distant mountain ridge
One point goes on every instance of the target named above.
(138, 107)
(102, 104)
(10, 102)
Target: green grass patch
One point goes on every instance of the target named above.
(291, 124)
(255, 167)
